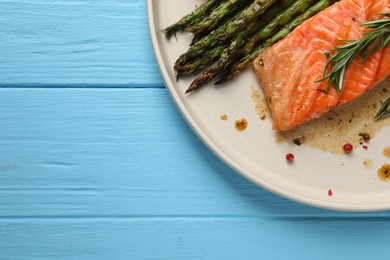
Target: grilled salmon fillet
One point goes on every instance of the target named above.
(288, 71)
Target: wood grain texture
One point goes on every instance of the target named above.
(118, 152)
(108, 169)
(195, 238)
(88, 152)
(116, 173)
(76, 43)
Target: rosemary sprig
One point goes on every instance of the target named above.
(383, 111)
(375, 39)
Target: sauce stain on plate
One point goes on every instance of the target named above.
(261, 105)
(384, 173)
(386, 151)
(224, 117)
(343, 124)
(368, 164)
(241, 124)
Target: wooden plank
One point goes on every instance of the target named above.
(117, 152)
(198, 238)
(79, 42)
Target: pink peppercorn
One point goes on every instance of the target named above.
(347, 148)
(366, 137)
(290, 157)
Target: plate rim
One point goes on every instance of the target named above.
(330, 205)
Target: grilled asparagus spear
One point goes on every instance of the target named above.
(240, 48)
(246, 61)
(225, 9)
(227, 31)
(195, 16)
(211, 55)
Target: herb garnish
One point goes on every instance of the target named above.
(383, 111)
(375, 39)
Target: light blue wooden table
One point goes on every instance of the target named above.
(97, 163)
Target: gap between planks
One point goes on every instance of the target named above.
(339, 217)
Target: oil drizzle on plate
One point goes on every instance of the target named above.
(386, 152)
(241, 124)
(261, 105)
(368, 164)
(384, 172)
(224, 117)
(342, 124)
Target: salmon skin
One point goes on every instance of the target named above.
(289, 71)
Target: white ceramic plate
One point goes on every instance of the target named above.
(254, 153)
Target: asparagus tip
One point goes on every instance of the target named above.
(181, 61)
(194, 86)
(181, 73)
(167, 33)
